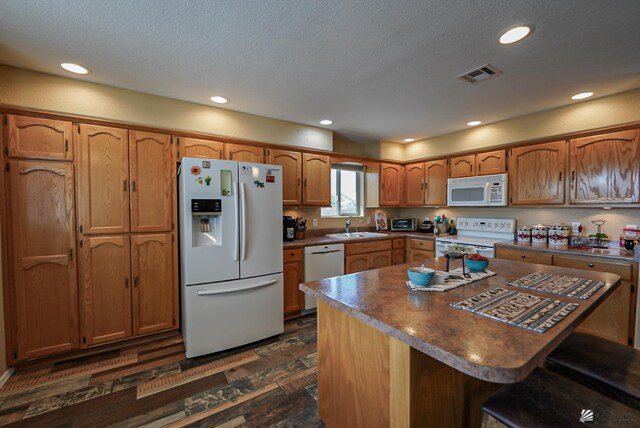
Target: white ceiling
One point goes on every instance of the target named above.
(381, 69)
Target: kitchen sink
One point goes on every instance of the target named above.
(355, 235)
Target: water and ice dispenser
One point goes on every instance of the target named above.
(206, 226)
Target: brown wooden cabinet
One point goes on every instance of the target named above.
(291, 163)
(363, 256)
(536, 174)
(316, 177)
(522, 255)
(398, 251)
(103, 180)
(463, 166)
(293, 272)
(605, 168)
(36, 138)
(391, 185)
(42, 247)
(489, 163)
(414, 184)
(154, 287)
(150, 166)
(105, 292)
(199, 148)
(243, 153)
(420, 249)
(435, 182)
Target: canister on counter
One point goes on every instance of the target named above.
(524, 234)
(539, 234)
(559, 235)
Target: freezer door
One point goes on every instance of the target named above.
(260, 190)
(209, 238)
(229, 314)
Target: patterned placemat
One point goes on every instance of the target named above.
(562, 285)
(520, 309)
(455, 280)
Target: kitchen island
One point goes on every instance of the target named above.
(388, 356)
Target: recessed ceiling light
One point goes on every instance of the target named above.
(582, 95)
(409, 140)
(474, 123)
(326, 122)
(515, 34)
(220, 100)
(74, 68)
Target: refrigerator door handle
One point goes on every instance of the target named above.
(243, 199)
(234, 290)
(236, 250)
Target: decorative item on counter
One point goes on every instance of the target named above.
(441, 223)
(559, 235)
(426, 226)
(381, 221)
(301, 227)
(599, 239)
(452, 227)
(539, 234)
(630, 237)
(524, 234)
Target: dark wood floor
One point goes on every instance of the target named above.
(268, 383)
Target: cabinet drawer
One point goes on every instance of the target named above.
(422, 244)
(524, 256)
(367, 247)
(292, 255)
(619, 268)
(398, 243)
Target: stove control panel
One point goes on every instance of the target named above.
(505, 225)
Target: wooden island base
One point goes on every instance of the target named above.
(367, 378)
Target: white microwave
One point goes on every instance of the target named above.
(483, 191)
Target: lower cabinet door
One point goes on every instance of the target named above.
(154, 290)
(420, 255)
(398, 257)
(380, 259)
(293, 298)
(357, 263)
(105, 290)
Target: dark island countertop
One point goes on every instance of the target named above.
(478, 346)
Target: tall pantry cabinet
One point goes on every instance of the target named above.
(109, 276)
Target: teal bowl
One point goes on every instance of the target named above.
(420, 277)
(476, 265)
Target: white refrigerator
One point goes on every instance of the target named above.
(230, 253)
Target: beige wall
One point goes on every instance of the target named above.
(337, 222)
(29, 89)
(582, 116)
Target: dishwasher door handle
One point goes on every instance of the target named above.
(326, 252)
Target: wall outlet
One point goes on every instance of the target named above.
(368, 220)
(315, 222)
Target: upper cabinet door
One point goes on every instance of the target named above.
(463, 166)
(103, 185)
(536, 174)
(414, 184)
(604, 168)
(154, 288)
(36, 138)
(316, 172)
(197, 148)
(491, 162)
(151, 171)
(42, 250)
(391, 185)
(436, 173)
(291, 163)
(243, 153)
(105, 289)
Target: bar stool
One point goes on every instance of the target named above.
(608, 367)
(545, 399)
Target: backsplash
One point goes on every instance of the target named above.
(617, 218)
(338, 223)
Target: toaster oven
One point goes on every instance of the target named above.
(404, 224)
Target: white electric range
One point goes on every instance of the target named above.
(480, 233)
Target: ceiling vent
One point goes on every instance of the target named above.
(480, 74)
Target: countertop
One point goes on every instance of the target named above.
(325, 240)
(606, 253)
(481, 347)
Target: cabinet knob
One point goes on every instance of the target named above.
(522, 257)
(590, 264)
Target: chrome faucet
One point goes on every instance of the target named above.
(347, 225)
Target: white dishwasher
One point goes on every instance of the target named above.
(322, 261)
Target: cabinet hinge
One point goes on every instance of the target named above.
(178, 155)
(66, 145)
(78, 128)
(70, 253)
(173, 226)
(174, 321)
(7, 168)
(81, 243)
(81, 229)
(6, 151)
(5, 120)
(84, 339)
(15, 353)
(177, 141)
